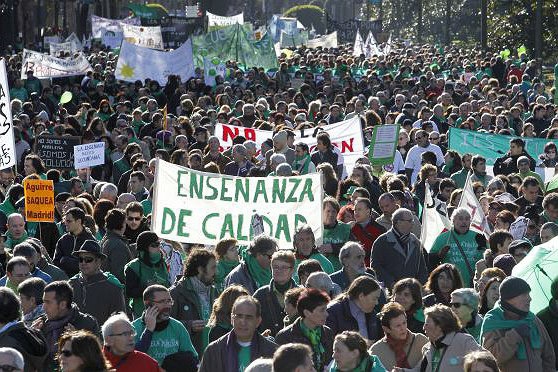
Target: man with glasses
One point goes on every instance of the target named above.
(17, 270)
(351, 257)
(194, 295)
(91, 284)
(413, 161)
(158, 334)
(254, 272)
(75, 237)
(397, 253)
(272, 295)
(135, 223)
(241, 346)
(119, 346)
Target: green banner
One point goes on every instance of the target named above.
(236, 44)
(491, 146)
(383, 144)
(151, 11)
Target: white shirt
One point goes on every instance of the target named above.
(413, 160)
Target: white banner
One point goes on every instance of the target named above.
(434, 219)
(148, 37)
(216, 20)
(211, 69)
(7, 143)
(197, 207)
(89, 155)
(112, 39)
(46, 66)
(326, 41)
(137, 63)
(345, 135)
(469, 201)
(74, 39)
(68, 47)
(115, 25)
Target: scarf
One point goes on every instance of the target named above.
(260, 275)
(495, 319)
(204, 296)
(301, 257)
(224, 267)
(54, 328)
(11, 242)
(301, 164)
(398, 347)
(367, 364)
(315, 338)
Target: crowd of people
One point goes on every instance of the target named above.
(97, 290)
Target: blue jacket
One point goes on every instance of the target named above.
(38, 273)
(339, 319)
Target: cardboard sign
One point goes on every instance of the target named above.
(57, 152)
(89, 155)
(39, 201)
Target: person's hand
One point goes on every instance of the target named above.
(38, 324)
(150, 318)
(443, 252)
(325, 248)
(266, 333)
(523, 330)
(197, 325)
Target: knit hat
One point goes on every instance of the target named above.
(506, 262)
(145, 239)
(512, 287)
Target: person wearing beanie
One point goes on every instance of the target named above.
(149, 268)
(505, 262)
(549, 317)
(514, 335)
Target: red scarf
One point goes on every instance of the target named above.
(398, 347)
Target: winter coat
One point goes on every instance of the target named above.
(339, 319)
(391, 262)
(65, 246)
(240, 275)
(413, 348)
(30, 343)
(549, 317)
(272, 311)
(118, 254)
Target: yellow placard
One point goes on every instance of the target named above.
(39, 201)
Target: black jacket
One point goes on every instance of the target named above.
(65, 246)
(272, 311)
(30, 343)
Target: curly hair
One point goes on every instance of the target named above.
(197, 258)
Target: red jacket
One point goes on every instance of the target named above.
(366, 236)
(133, 362)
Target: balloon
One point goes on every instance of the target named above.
(212, 72)
(66, 97)
(215, 61)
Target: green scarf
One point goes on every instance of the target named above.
(315, 338)
(370, 363)
(260, 275)
(494, 320)
(224, 267)
(154, 258)
(301, 164)
(11, 242)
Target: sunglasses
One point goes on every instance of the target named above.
(134, 218)
(86, 259)
(66, 353)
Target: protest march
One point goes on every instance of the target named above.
(217, 193)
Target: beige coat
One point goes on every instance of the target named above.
(458, 345)
(503, 343)
(413, 347)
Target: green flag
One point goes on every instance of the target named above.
(521, 50)
(505, 53)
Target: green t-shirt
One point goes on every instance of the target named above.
(338, 235)
(324, 262)
(470, 247)
(243, 358)
(170, 340)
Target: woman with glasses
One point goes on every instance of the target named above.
(80, 351)
(465, 303)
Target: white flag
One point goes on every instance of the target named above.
(470, 202)
(358, 47)
(434, 219)
(387, 48)
(371, 46)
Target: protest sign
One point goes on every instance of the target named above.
(326, 41)
(57, 152)
(383, 144)
(7, 143)
(50, 39)
(214, 20)
(112, 39)
(75, 40)
(237, 44)
(138, 63)
(345, 135)
(46, 66)
(148, 37)
(197, 207)
(358, 45)
(469, 201)
(89, 155)
(211, 69)
(491, 146)
(293, 40)
(67, 47)
(39, 200)
(114, 25)
(346, 31)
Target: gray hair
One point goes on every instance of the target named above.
(345, 250)
(250, 145)
(469, 297)
(14, 215)
(319, 280)
(284, 170)
(106, 328)
(240, 148)
(278, 159)
(401, 213)
(460, 212)
(496, 182)
(109, 188)
(18, 360)
(553, 227)
(260, 365)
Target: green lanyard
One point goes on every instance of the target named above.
(437, 359)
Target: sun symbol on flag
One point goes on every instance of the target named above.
(127, 71)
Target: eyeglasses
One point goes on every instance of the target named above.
(125, 334)
(86, 259)
(134, 218)
(167, 301)
(66, 353)
(8, 368)
(455, 305)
